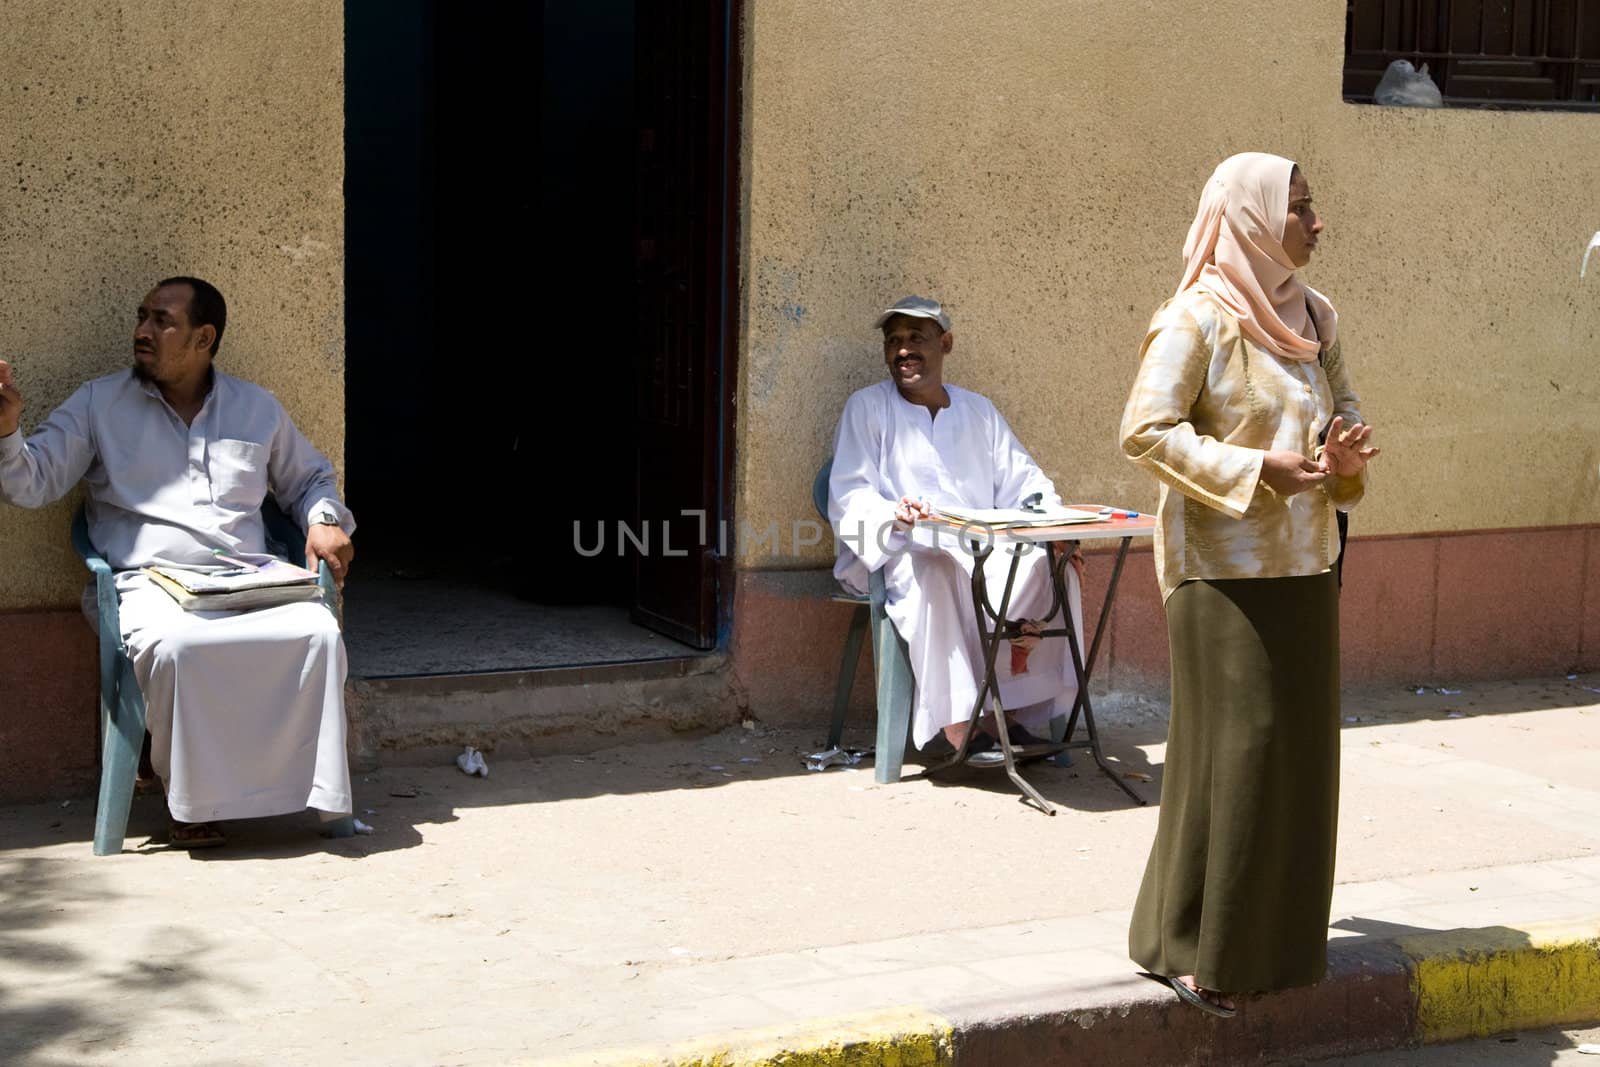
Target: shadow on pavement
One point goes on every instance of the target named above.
(57, 987)
(401, 801)
(32, 826)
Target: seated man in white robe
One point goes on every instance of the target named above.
(245, 708)
(905, 447)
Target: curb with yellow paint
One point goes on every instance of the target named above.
(1474, 983)
(901, 1037)
(1431, 987)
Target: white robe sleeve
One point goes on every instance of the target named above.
(43, 468)
(302, 479)
(1016, 475)
(859, 507)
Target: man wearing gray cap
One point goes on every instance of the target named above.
(904, 448)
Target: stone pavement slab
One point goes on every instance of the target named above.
(710, 889)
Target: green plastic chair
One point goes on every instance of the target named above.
(890, 660)
(122, 704)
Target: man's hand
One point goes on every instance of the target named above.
(10, 401)
(1345, 454)
(1287, 473)
(909, 511)
(324, 541)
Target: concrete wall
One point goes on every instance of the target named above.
(144, 138)
(150, 138)
(1036, 164)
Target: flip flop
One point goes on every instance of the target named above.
(985, 752)
(189, 835)
(1189, 996)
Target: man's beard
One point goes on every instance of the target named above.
(141, 372)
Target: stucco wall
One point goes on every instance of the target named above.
(1036, 163)
(145, 138)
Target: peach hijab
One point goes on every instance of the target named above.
(1234, 251)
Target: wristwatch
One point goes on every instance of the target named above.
(324, 517)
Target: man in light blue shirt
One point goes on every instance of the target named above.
(245, 709)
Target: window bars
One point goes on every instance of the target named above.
(1527, 54)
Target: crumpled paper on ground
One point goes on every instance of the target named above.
(1594, 243)
(471, 761)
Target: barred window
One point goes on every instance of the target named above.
(1526, 54)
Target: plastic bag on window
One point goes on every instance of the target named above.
(1403, 85)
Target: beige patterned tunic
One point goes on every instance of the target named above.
(1207, 404)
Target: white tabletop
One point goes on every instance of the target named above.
(950, 533)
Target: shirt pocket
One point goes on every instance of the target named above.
(238, 473)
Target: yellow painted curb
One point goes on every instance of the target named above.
(903, 1037)
(1473, 983)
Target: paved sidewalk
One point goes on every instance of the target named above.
(707, 897)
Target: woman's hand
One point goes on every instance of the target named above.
(1287, 473)
(1344, 453)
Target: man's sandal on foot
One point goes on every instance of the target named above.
(984, 751)
(1191, 996)
(194, 835)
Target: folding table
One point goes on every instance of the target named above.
(994, 628)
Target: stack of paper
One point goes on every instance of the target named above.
(1052, 516)
(263, 582)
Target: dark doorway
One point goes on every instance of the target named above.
(501, 340)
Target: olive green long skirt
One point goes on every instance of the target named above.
(1240, 877)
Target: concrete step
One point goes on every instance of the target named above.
(426, 719)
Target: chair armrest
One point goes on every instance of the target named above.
(878, 592)
(289, 534)
(108, 618)
(104, 577)
(330, 592)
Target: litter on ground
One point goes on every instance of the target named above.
(471, 762)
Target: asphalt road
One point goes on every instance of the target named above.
(1532, 1048)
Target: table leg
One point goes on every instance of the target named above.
(1082, 670)
(991, 632)
(1099, 629)
(990, 638)
(991, 684)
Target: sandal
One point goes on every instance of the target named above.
(984, 751)
(1192, 996)
(189, 835)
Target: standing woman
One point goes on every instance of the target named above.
(1243, 411)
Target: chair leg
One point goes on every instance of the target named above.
(895, 688)
(847, 674)
(122, 738)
